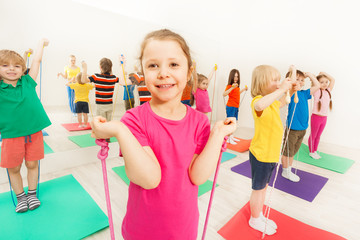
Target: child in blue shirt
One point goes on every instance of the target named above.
(297, 122)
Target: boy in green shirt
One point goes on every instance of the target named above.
(22, 119)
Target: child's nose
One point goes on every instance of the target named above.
(163, 73)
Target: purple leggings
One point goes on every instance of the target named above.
(317, 127)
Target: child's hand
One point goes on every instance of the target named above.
(45, 42)
(292, 68)
(226, 127)
(246, 87)
(287, 84)
(101, 129)
(29, 51)
(122, 59)
(309, 75)
(234, 85)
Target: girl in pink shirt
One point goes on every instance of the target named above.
(200, 92)
(322, 103)
(168, 147)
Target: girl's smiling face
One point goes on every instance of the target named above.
(165, 69)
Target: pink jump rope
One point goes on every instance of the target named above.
(223, 149)
(102, 155)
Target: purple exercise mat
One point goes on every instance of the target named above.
(307, 188)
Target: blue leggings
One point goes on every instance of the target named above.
(71, 96)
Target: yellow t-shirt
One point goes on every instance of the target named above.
(81, 91)
(266, 143)
(71, 73)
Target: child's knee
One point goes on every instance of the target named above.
(31, 164)
(14, 170)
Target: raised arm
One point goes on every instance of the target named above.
(204, 164)
(34, 70)
(141, 164)
(268, 99)
(315, 83)
(84, 77)
(331, 79)
(226, 92)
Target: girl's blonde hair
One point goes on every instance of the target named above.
(165, 34)
(261, 77)
(78, 78)
(9, 56)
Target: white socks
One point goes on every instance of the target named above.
(286, 173)
(259, 224)
(234, 139)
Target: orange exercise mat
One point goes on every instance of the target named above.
(241, 146)
(75, 127)
(288, 228)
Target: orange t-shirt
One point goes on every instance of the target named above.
(186, 93)
(234, 97)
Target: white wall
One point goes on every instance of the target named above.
(314, 35)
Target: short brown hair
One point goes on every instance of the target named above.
(298, 73)
(9, 56)
(105, 65)
(200, 78)
(261, 77)
(165, 34)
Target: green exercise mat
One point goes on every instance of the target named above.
(86, 140)
(67, 211)
(327, 161)
(47, 149)
(204, 188)
(226, 156)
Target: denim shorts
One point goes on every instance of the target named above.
(260, 172)
(232, 112)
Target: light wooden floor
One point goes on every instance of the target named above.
(335, 209)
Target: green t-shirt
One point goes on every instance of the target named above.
(21, 112)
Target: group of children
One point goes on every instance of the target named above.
(169, 148)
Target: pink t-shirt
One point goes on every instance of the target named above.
(169, 211)
(325, 101)
(202, 100)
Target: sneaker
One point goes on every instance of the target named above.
(234, 139)
(258, 224)
(314, 155)
(317, 155)
(288, 174)
(269, 222)
(80, 126)
(229, 140)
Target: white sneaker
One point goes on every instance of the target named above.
(258, 224)
(229, 140)
(234, 139)
(314, 155)
(269, 222)
(317, 155)
(286, 173)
